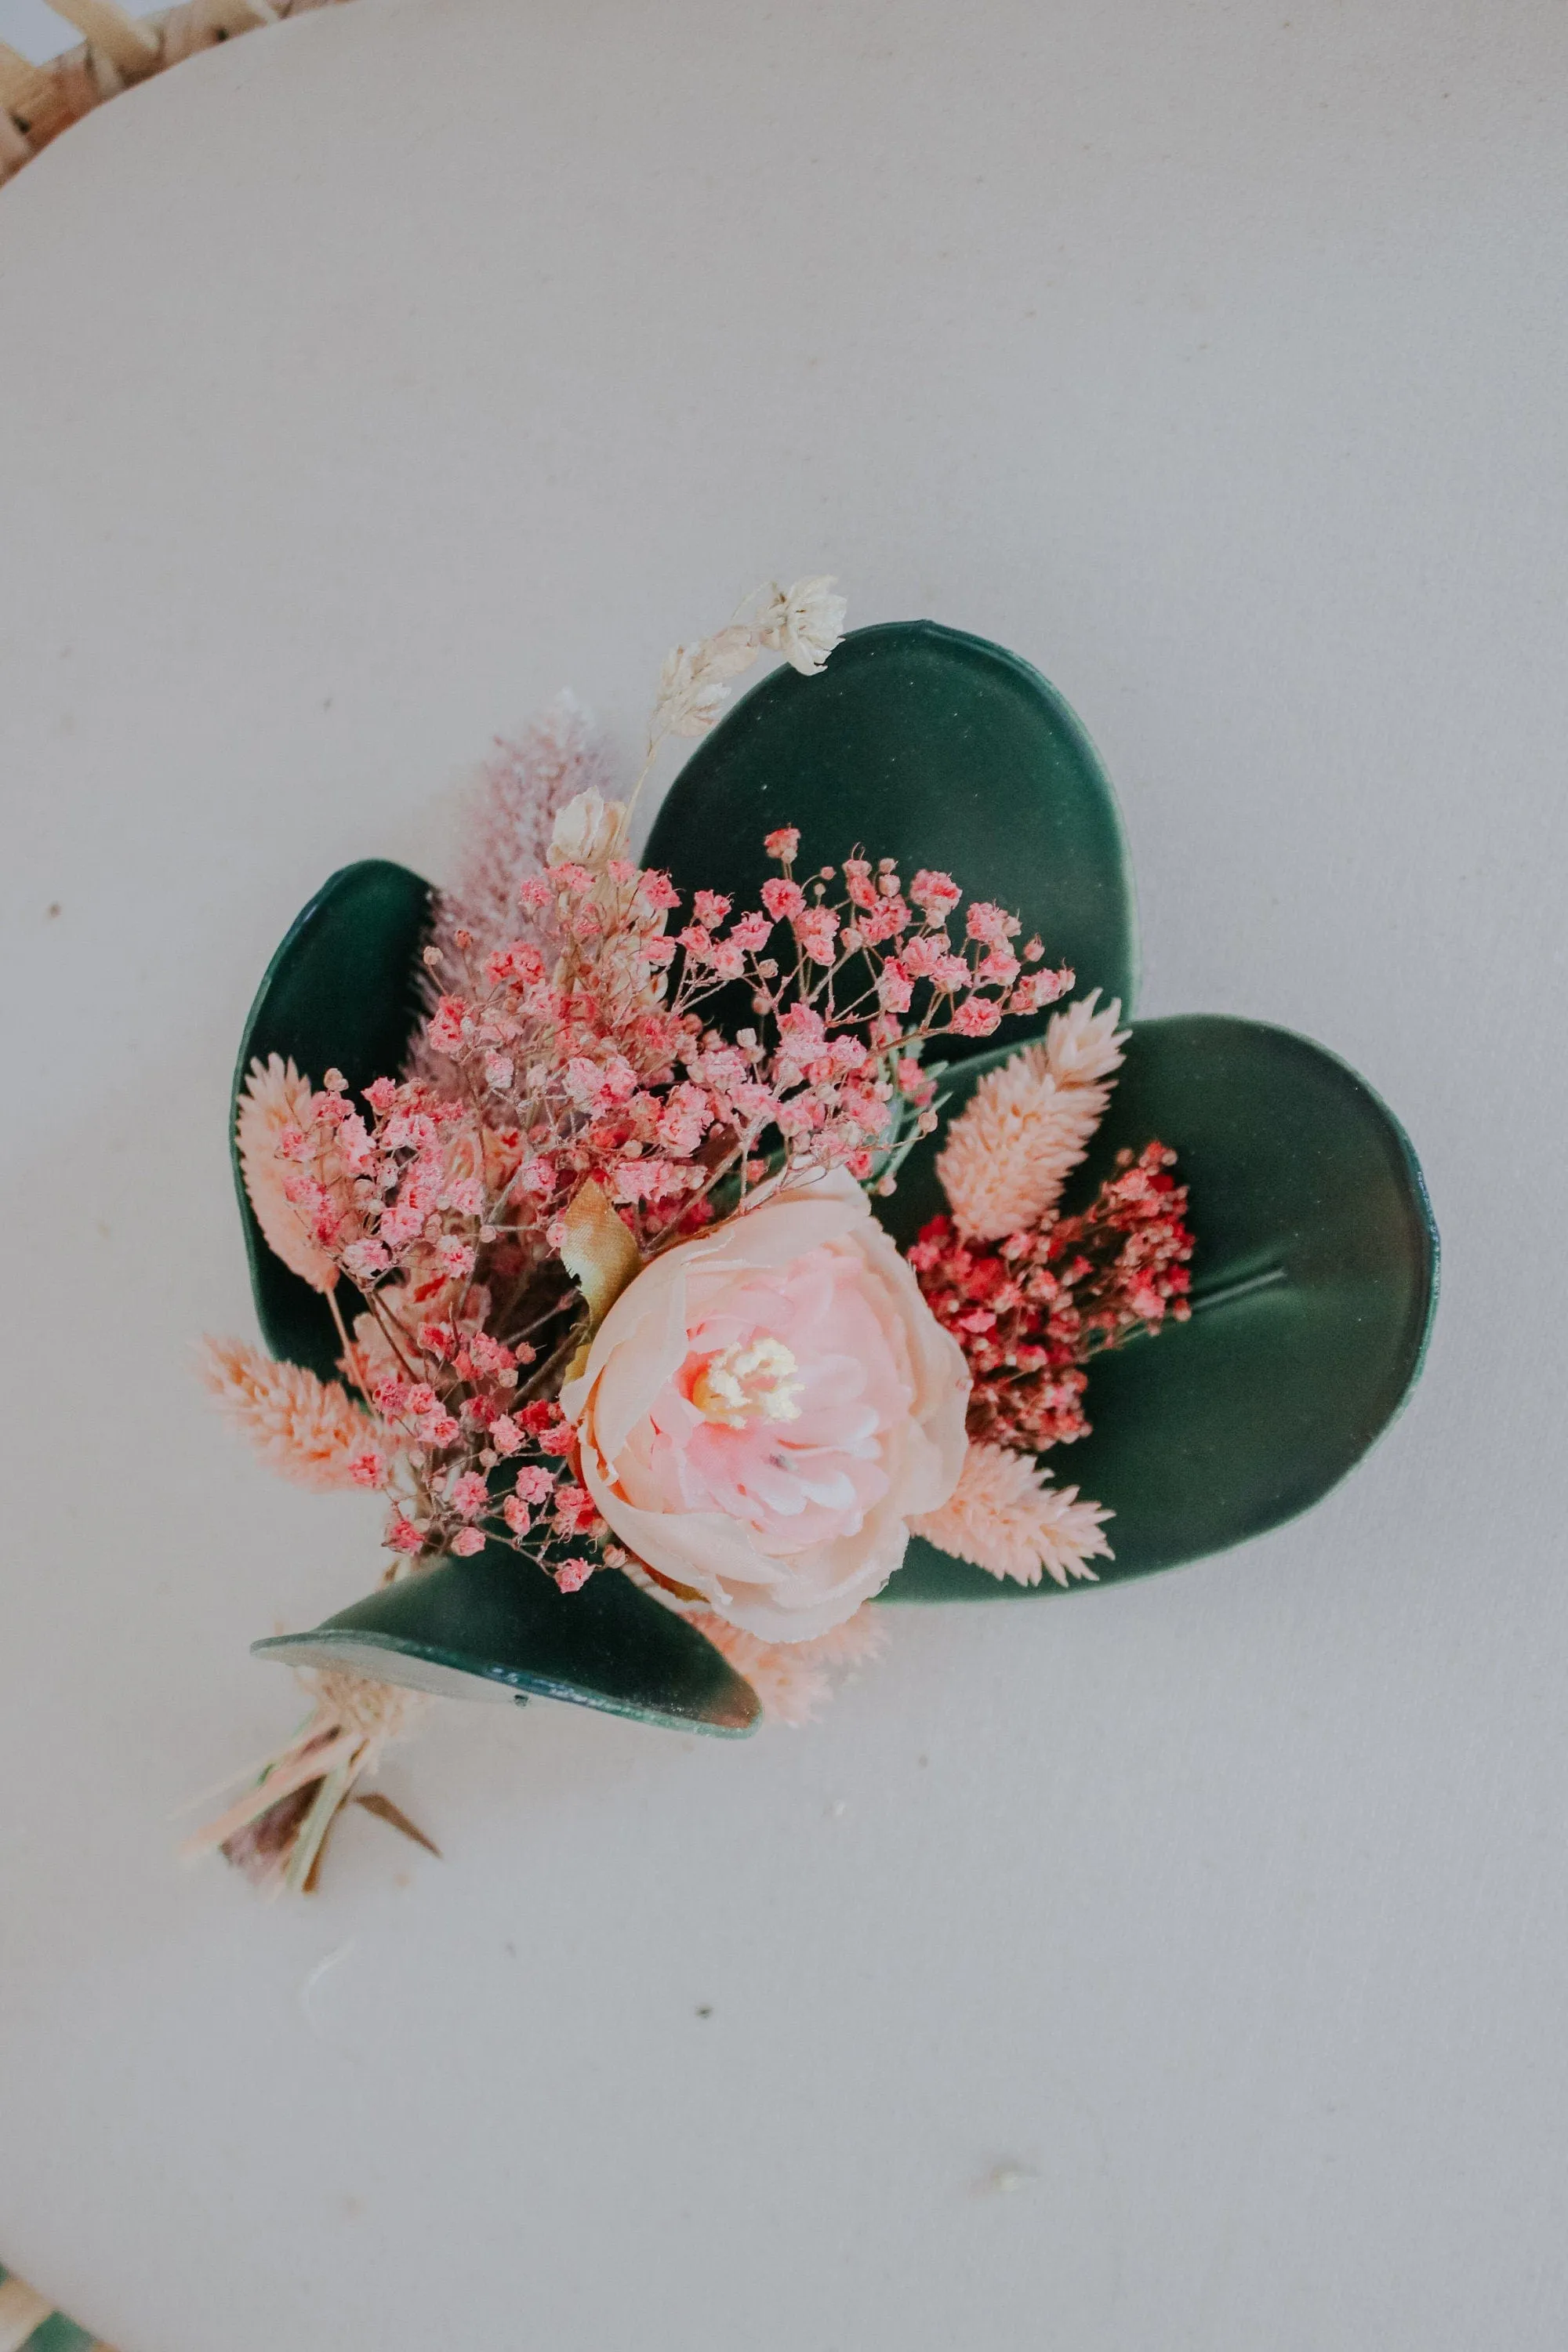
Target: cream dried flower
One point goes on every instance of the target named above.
(694, 683)
(276, 1097)
(1029, 1124)
(589, 832)
(803, 623)
(309, 1430)
(1004, 1517)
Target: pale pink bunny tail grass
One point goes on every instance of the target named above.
(1029, 1124)
(793, 1679)
(856, 1643)
(277, 1097)
(1004, 1517)
(310, 1430)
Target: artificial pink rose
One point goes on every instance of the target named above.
(764, 1409)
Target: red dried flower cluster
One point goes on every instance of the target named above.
(1031, 1311)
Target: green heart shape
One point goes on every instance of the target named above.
(1315, 1274)
(919, 743)
(341, 993)
(1314, 1284)
(495, 1626)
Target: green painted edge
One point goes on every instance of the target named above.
(310, 1649)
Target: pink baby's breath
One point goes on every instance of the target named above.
(577, 1050)
(935, 894)
(991, 923)
(817, 930)
(977, 1017)
(469, 1494)
(783, 900)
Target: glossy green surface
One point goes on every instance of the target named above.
(1314, 1281)
(341, 993)
(920, 743)
(495, 1626)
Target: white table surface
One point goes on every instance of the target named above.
(363, 383)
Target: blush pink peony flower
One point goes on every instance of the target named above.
(766, 1408)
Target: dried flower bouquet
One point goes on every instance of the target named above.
(688, 1251)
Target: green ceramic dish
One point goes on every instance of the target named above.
(1315, 1273)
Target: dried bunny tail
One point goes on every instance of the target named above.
(277, 1097)
(309, 1430)
(790, 1685)
(1029, 1124)
(856, 1643)
(1006, 1518)
(793, 1679)
(1082, 1045)
(276, 1832)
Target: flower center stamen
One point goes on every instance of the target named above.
(740, 1386)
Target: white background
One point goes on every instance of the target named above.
(363, 383)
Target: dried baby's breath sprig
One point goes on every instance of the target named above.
(576, 1062)
(1031, 1311)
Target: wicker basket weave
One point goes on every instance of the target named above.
(37, 102)
(29, 2322)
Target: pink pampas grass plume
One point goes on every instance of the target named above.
(1029, 1124)
(310, 1430)
(1004, 1517)
(506, 834)
(275, 1097)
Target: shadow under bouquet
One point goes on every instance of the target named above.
(690, 1251)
